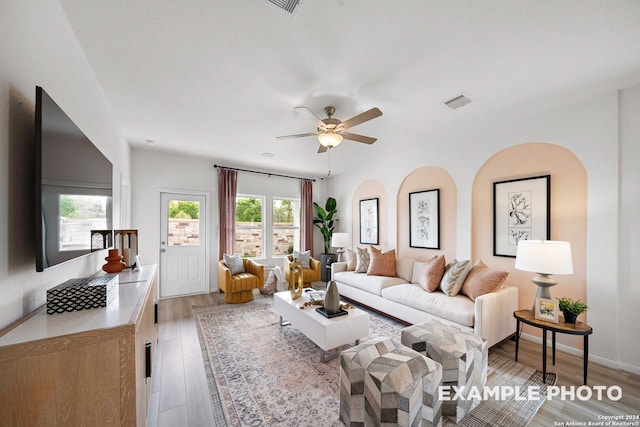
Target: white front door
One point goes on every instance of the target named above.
(183, 243)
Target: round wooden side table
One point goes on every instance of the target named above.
(579, 328)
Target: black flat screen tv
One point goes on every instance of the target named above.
(74, 183)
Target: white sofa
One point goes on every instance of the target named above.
(490, 316)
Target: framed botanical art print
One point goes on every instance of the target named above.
(424, 219)
(521, 211)
(547, 309)
(369, 221)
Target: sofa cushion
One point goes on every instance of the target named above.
(404, 268)
(382, 264)
(432, 273)
(234, 263)
(372, 284)
(482, 280)
(459, 308)
(362, 264)
(454, 275)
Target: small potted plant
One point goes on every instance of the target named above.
(571, 308)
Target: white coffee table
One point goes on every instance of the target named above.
(325, 333)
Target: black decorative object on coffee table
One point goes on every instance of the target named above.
(340, 312)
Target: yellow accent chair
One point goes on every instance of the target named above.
(239, 287)
(308, 274)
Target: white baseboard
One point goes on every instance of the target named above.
(630, 368)
(613, 364)
(562, 347)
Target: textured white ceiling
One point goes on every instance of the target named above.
(220, 78)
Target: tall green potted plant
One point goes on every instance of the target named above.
(324, 221)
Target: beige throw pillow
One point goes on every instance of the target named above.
(482, 280)
(352, 259)
(362, 264)
(382, 264)
(432, 273)
(455, 274)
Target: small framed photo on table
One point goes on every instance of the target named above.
(547, 309)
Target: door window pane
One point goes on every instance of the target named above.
(184, 223)
(249, 226)
(286, 226)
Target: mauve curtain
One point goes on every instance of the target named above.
(227, 186)
(306, 215)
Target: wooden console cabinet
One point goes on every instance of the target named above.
(89, 367)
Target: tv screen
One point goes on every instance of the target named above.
(73, 186)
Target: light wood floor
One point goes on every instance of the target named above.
(180, 396)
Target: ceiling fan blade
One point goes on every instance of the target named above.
(299, 135)
(303, 108)
(361, 118)
(358, 138)
(321, 148)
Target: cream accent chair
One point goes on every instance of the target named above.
(239, 287)
(308, 274)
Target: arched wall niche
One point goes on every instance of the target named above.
(568, 216)
(370, 189)
(428, 178)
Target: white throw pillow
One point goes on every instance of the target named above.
(234, 263)
(304, 258)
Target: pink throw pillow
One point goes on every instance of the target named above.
(482, 280)
(382, 264)
(431, 274)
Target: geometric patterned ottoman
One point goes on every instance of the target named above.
(401, 388)
(463, 357)
(353, 363)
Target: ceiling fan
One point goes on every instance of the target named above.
(331, 131)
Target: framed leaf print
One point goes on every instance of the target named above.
(369, 221)
(521, 211)
(424, 219)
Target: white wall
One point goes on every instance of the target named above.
(629, 230)
(38, 47)
(590, 130)
(154, 170)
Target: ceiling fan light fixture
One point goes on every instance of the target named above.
(330, 139)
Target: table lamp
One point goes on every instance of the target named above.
(340, 241)
(545, 257)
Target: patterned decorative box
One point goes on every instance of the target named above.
(83, 293)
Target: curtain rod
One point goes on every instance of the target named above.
(265, 173)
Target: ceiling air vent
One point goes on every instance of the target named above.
(457, 101)
(287, 5)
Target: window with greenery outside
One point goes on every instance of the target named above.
(249, 226)
(286, 226)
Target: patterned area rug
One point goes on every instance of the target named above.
(262, 374)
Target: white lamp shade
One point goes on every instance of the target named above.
(544, 257)
(340, 240)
